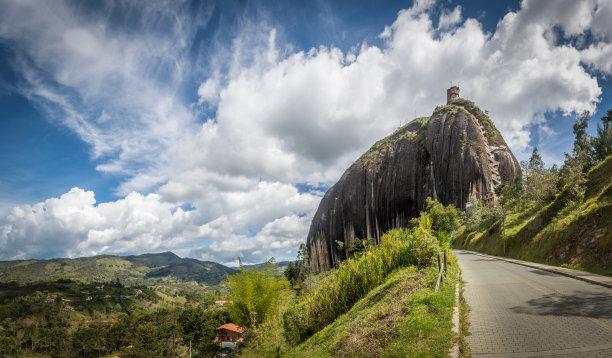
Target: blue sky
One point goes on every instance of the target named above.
(212, 128)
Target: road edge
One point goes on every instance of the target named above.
(454, 353)
(578, 275)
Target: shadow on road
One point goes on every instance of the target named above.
(594, 305)
(544, 273)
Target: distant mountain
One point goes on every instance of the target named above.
(280, 266)
(164, 267)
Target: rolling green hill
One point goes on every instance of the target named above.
(147, 268)
(576, 234)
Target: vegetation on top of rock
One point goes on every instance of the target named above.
(491, 132)
(410, 131)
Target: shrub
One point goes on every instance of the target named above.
(444, 218)
(255, 294)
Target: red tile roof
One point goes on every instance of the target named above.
(232, 327)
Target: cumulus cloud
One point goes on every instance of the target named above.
(449, 18)
(72, 225)
(267, 118)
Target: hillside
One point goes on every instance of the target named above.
(403, 317)
(564, 232)
(146, 269)
(456, 156)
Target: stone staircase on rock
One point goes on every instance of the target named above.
(493, 165)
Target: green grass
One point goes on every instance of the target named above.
(464, 323)
(403, 317)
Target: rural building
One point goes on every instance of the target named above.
(229, 333)
(221, 303)
(488, 198)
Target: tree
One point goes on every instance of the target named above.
(255, 294)
(535, 161)
(602, 143)
(199, 326)
(576, 165)
(541, 186)
(298, 271)
(582, 145)
(581, 139)
(291, 272)
(444, 218)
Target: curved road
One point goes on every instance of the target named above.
(518, 311)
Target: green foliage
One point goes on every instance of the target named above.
(535, 161)
(581, 139)
(256, 294)
(104, 324)
(357, 276)
(410, 131)
(602, 143)
(297, 272)
(361, 246)
(199, 325)
(444, 219)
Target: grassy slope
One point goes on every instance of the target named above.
(578, 235)
(403, 317)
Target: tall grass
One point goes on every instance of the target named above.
(356, 277)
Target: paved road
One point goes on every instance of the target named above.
(518, 311)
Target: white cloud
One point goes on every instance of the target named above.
(73, 225)
(277, 117)
(449, 18)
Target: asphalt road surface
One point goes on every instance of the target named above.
(518, 311)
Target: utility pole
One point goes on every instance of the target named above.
(189, 348)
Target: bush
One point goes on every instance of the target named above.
(255, 294)
(444, 218)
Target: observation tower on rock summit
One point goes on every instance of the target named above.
(452, 93)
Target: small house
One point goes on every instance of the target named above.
(221, 303)
(50, 298)
(488, 198)
(229, 333)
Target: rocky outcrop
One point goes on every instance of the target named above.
(456, 156)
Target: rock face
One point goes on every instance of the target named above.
(456, 155)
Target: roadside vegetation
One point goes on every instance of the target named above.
(558, 216)
(379, 302)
